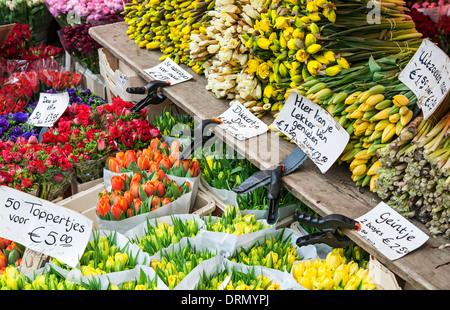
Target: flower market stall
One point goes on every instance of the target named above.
(226, 145)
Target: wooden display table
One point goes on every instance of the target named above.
(332, 192)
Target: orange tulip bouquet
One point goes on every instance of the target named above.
(135, 197)
(157, 157)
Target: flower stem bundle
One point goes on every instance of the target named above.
(414, 176)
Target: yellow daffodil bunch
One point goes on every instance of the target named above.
(102, 256)
(52, 281)
(167, 26)
(241, 280)
(371, 104)
(143, 283)
(174, 266)
(274, 253)
(162, 235)
(11, 279)
(333, 273)
(237, 280)
(232, 222)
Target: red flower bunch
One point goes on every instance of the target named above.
(44, 51)
(16, 90)
(58, 80)
(138, 194)
(424, 24)
(15, 176)
(129, 130)
(44, 157)
(16, 153)
(17, 42)
(80, 136)
(157, 156)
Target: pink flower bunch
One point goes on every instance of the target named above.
(429, 4)
(91, 11)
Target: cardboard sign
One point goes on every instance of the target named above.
(49, 109)
(43, 226)
(390, 232)
(313, 129)
(168, 71)
(427, 75)
(239, 122)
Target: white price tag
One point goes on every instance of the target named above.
(168, 71)
(390, 232)
(239, 122)
(427, 75)
(49, 109)
(313, 129)
(43, 226)
(123, 79)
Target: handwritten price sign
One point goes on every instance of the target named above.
(390, 232)
(239, 122)
(43, 226)
(169, 71)
(49, 109)
(313, 129)
(427, 75)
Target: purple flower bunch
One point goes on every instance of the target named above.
(13, 126)
(79, 95)
(77, 41)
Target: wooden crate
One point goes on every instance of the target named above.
(85, 203)
(81, 187)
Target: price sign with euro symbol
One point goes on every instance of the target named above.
(43, 226)
(427, 75)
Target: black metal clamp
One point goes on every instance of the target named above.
(330, 226)
(153, 97)
(202, 136)
(274, 194)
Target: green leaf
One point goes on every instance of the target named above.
(373, 66)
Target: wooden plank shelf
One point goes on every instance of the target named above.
(332, 192)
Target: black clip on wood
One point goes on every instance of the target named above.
(201, 135)
(152, 97)
(274, 194)
(329, 226)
